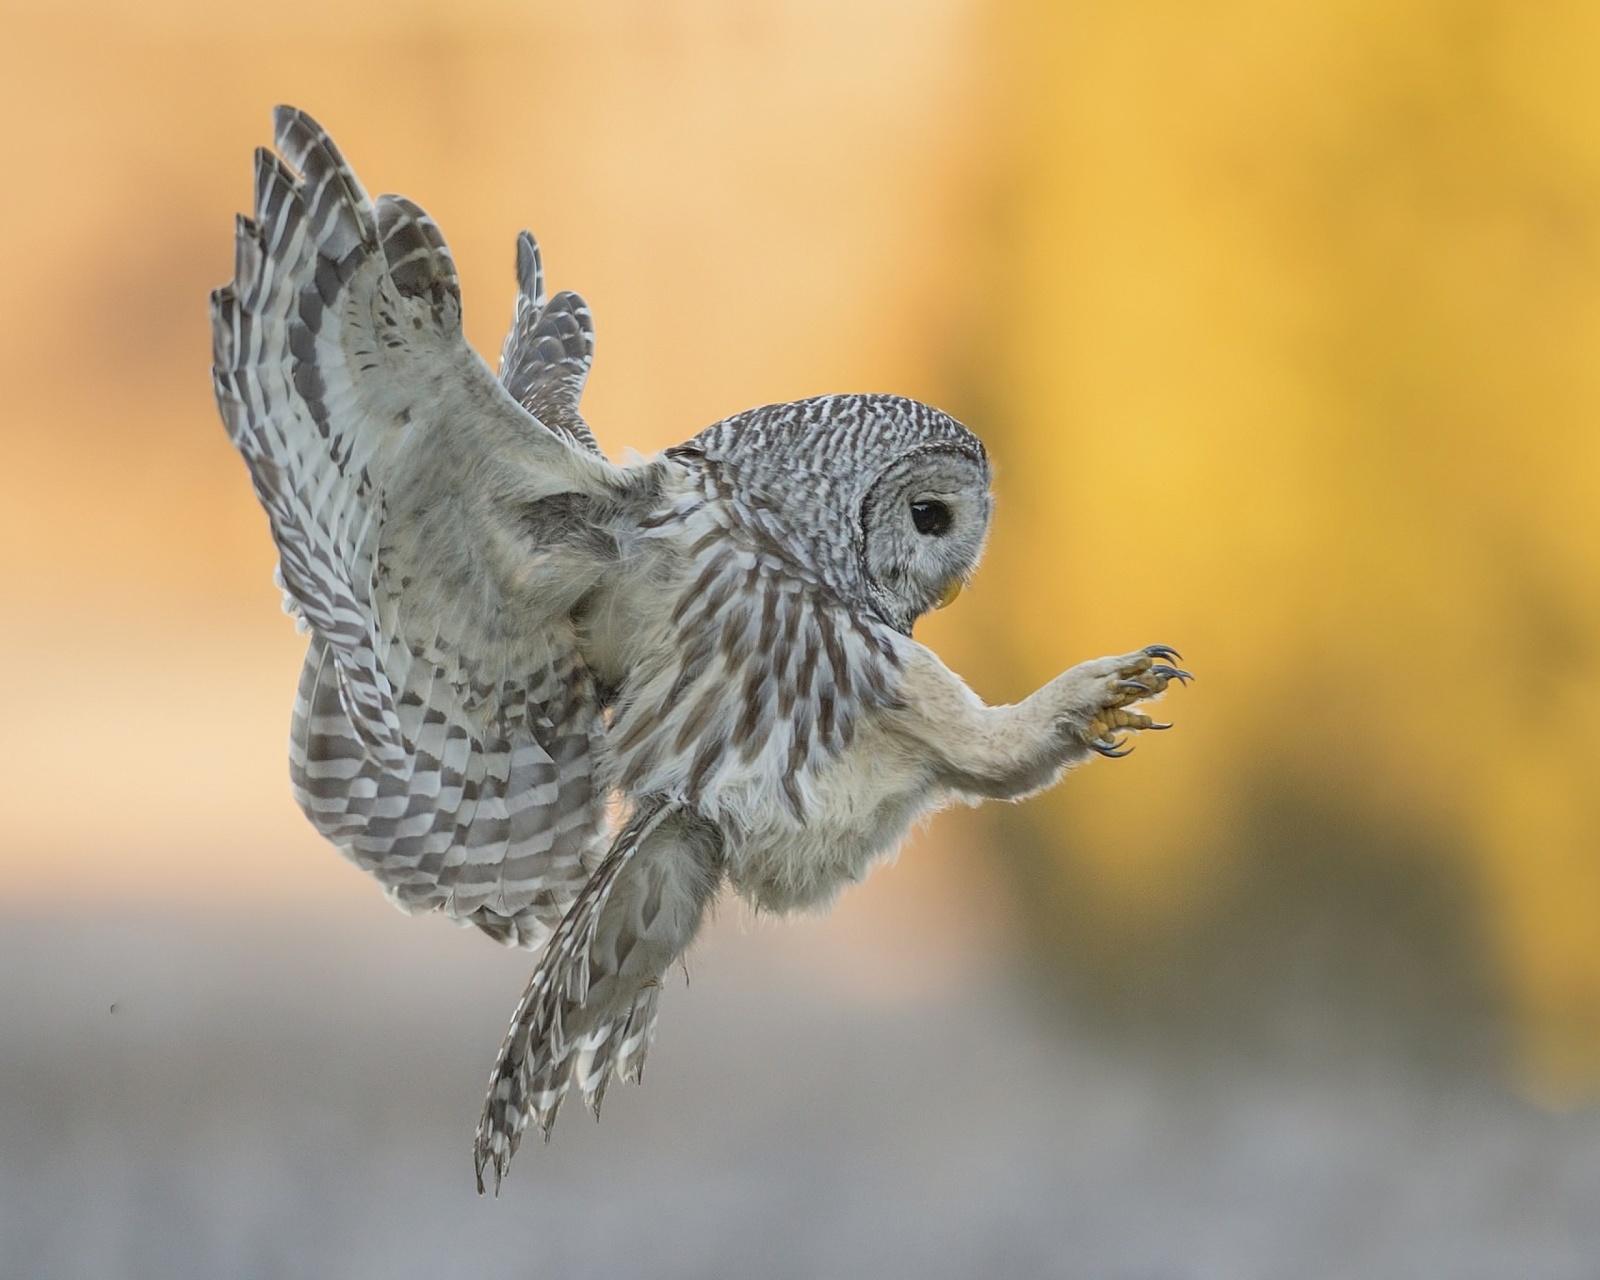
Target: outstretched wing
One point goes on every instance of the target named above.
(546, 356)
(435, 538)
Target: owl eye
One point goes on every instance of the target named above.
(930, 517)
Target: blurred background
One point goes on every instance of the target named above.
(1281, 323)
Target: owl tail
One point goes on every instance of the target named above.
(589, 1011)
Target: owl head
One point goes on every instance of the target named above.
(922, 526)
(886, 499)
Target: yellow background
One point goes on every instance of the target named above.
(1280, 321)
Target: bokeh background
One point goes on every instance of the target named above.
(1282, 325)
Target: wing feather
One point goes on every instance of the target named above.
(546, 357)
(446, 731)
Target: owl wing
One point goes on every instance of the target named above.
(546, 356)
(449, 753)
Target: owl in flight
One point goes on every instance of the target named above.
(565, 700)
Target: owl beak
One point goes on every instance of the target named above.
(950, 594)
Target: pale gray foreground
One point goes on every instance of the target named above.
(295, 1096)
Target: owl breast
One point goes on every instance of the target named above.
(863, 802)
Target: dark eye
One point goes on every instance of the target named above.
(932, 518)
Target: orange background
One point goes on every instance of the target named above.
(1280, 322)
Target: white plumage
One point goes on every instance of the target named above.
(511, 636)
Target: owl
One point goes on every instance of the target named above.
(568, 701)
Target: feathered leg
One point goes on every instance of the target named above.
(589, 1010)
(1007, 752)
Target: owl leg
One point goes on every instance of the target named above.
(984, 752)
(589, 1010)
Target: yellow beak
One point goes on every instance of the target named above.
(949, 596)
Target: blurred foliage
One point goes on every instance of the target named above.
(1294, 362)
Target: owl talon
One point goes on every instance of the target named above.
(1163, 652)
(1104, 717)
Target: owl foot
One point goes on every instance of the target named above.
(1102, 693)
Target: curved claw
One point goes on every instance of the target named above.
(1171, 673)
(1110, 749)
(1163, 651)
(1132, 686)
(1154, 725)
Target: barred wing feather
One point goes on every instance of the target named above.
(546, 357)
(449, 754)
